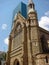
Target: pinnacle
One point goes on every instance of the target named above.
(30, 1)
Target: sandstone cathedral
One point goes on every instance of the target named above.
(28, 43)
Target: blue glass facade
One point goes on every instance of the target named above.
(22, 8)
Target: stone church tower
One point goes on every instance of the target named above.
(28, 43)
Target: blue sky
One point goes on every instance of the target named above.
(6, 13)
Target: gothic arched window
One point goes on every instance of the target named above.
(18, 27)
(46, 59)
(44, 44)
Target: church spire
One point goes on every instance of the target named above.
(30, 2)
(30, 6)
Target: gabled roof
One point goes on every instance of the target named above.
(19, 19)
(43, 30)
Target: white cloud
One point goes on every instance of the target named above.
(44, 22)
(47, 13)
(4, 26)
(6, 41)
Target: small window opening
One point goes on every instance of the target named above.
(30, 5)
(46, 59)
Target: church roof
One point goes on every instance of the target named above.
(43, 30)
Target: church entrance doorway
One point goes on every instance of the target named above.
(16, 62)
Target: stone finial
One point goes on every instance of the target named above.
(30, 1)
